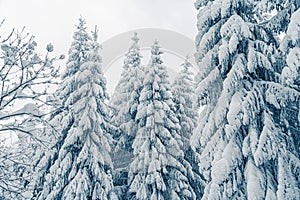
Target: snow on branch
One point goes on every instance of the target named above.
(25, 77)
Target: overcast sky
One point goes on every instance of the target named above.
(54, 20)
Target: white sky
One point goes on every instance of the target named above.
(53, 20)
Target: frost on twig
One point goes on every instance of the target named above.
(26, 78)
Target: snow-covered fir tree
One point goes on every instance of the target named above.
(126, 96)
(82, 167)
(240, 137)
(186, 111)
(184, 99)
(156, 171)
(124, 102)
(62, 119)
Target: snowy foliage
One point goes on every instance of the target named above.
(186, 112)
(275, 15)
(62, 120)
(156, 171)
(126, 96)
(291, 46)
(184, 99)
(16, 172)
(82, 167)
(244, 127)
(125, 101)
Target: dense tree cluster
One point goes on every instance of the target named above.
(148, 140)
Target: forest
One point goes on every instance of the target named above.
(230, 131)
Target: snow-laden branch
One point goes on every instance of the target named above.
(26, 78)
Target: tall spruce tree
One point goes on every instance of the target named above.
(156, 171)
(184, 99)
(126, 96)
(186, 112)
(240, 137)
(62, 120)
(124, 102)
(82, 167)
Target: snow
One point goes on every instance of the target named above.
(268, 145)
(233, 43)
(290, 72)
(235, 25)
(30, 108)
(3, 114)
(235, 114)
(288, 185)
(294, 28)
(255, 181)
(226, 8)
